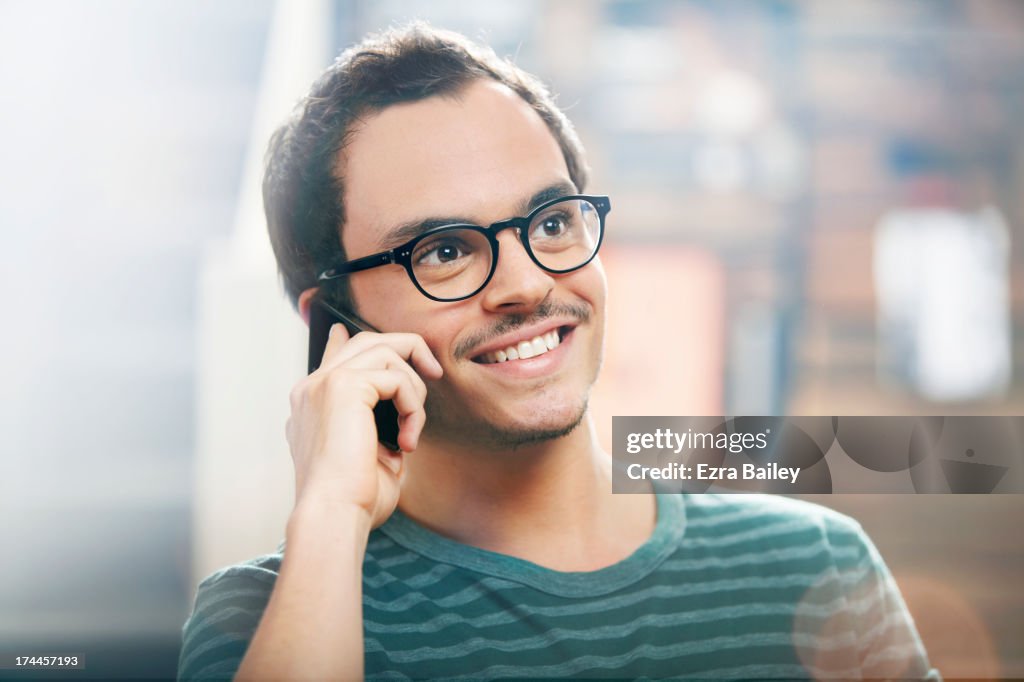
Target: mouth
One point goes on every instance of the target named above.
(527, 348)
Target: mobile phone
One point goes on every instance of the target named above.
(321, 316)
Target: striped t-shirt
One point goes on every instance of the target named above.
(727, 586)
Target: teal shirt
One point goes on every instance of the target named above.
(727, 586)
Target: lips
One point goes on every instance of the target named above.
(524, 350)
(524, 346)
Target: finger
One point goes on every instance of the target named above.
(409, 430)
(410, 347)
(384, 384)
(382, 356)
(337, 337)
(411, 413)
(379, 356)
(422, 357)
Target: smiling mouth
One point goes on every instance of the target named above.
(524, 350)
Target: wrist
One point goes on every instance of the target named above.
(324, 516)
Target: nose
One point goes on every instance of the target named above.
(518, 284)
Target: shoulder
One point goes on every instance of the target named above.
(228, 606)
(710, 507)
(242, 587)
(249, 582)
(812, 547)
(262, 569)
(770, 520)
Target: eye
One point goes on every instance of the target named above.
(551, 226)
(442, 251)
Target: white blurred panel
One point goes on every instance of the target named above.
(251, 343)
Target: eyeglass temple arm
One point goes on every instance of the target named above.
(364, 263)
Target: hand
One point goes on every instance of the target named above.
(331, 431)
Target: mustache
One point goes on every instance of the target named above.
(509, 323)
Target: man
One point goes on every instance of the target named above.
(491, 545)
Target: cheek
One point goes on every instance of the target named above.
(602, 281)
(385, 299)
(411, 312)
(446, 326)
(592, 286)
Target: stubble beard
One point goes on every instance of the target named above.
(460, 425)
(451, 417)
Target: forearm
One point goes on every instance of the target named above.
(312, 627)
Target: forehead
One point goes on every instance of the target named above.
(477, 156)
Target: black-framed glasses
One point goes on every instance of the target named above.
(455, 262)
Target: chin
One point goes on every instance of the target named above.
(532, 432)
(543, 418)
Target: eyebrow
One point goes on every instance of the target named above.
(406, 231)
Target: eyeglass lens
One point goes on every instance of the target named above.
(455, 263)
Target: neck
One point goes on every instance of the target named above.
(549, 502)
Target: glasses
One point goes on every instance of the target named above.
(455, 262)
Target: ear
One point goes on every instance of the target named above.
(305, 301)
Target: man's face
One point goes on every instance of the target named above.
(478, 158)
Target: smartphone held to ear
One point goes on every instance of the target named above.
(321, 317)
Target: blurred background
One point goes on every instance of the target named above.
(818, 209)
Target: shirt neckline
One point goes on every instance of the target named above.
(669, 529)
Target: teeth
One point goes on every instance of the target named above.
(538, 345)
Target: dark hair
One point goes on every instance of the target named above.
(302, 194)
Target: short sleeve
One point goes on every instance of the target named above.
(228, 608)
(889, 645)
